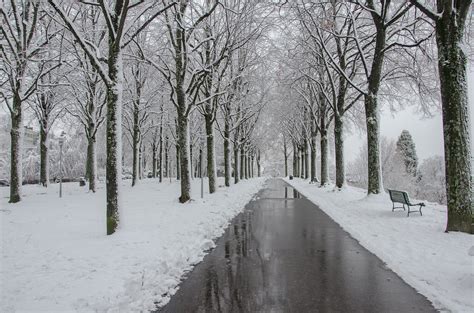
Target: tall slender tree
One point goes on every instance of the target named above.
(451, 18)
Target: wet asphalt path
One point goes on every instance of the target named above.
(283, 254)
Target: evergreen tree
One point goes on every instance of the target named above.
(406, 148)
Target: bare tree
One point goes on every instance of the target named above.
(335, 37)
(87, 90)
(122, 26)
(450, 18)
(389, 30)
(214, 57)
(184, 80)
(88, 107)
(138, 111)
(24, 36)
(47, 106)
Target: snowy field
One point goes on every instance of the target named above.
(438, 265)
(56, 257)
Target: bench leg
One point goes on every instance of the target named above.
(399, 207)
(419, 210)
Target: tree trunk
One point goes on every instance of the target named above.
(259, 168)
(227, 164)
(135, 150)
(242, 162)
(313, 158)
(45, 109)
(313, 144)
(249, 166)
(114, 138)
(16, 151)
(91, 163)
(182, 127)
(295, 160)
(143, 159)
(252, 165)
(44, 155)
(200, 163)
(211, 161)
(375, 184)
(196, 167)
(178, 162)
(161, 155)
(339, 151)
(91, 133)
(246, 166)
(160, 142)
(236, 164)
(191, 160)
(324, 157)
(452, 62)
(154, 161)
(88, 165)
(299, 162)
(135, 162)
(167, 161)
(306, 160)
(296, 156)
(140, 163)
(183, 143)
(302, 162)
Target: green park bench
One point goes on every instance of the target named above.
(401, 197)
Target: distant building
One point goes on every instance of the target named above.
(30, 139)
(30, 145)
(4, 133)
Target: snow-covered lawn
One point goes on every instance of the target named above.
(56, 257)
(437, 264)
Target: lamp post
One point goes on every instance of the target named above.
(61, 140)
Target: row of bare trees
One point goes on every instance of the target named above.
(173, 72)
(346, 57)
(152, 68)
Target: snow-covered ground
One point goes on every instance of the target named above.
(438, 265)
(56, 257)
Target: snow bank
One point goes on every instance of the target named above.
(56, 257)
(437, 264)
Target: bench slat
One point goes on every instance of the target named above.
(398, 196)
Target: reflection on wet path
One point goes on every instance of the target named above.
(283, 254)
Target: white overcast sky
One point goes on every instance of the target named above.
(427, 133)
